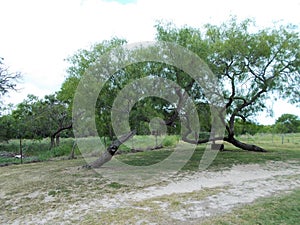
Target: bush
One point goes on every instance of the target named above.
(170, 141)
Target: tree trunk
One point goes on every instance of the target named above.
(110, 151)
(231, 140)
(52, 145)
(56, 134)
(104, 158)
(72, 155)
(244, 146)
(57, 140)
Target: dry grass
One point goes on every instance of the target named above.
(44, 187)
(61, 192)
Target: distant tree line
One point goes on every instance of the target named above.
(286, 123)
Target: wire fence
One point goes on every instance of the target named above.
(275, 139)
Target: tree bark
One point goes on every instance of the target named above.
(57, 139)
(110, 151)
(72, 154)
(231, 140)
(52, 145)
(55, 136)
(244, 146)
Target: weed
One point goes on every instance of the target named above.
(52, 193)
(115, 185)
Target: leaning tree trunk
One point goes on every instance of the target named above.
(231, 140)
(110, 151)
(244, 146)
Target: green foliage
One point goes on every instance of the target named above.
(79, 63)
(7, 127)
(250, 64)
(35, 118)
(170, 141)
(287, 123)
(115, 185)
(247, 127)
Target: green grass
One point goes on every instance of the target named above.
(234, 156)
(284, 209)
(147, 142)
(224, 159)
(36, 150)
(145, 158)
(280, 147)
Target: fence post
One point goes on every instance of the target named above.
(21, 151)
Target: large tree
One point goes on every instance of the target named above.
(250, 63)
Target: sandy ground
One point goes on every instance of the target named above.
(242, 184)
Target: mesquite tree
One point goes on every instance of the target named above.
(250, 65)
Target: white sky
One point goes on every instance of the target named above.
(37, 35)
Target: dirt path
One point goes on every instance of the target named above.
(241, 185)
(190, 197)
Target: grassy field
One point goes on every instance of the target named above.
(35, 150)
(38, 150)
(59, 184)
(280, 147)
(276, 151)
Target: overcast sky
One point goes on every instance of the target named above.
(37, 35)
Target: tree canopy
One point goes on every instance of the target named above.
(250, 64)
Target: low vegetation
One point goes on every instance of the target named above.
(280, 147)
(284, 209)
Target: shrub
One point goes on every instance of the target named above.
(170, 141)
